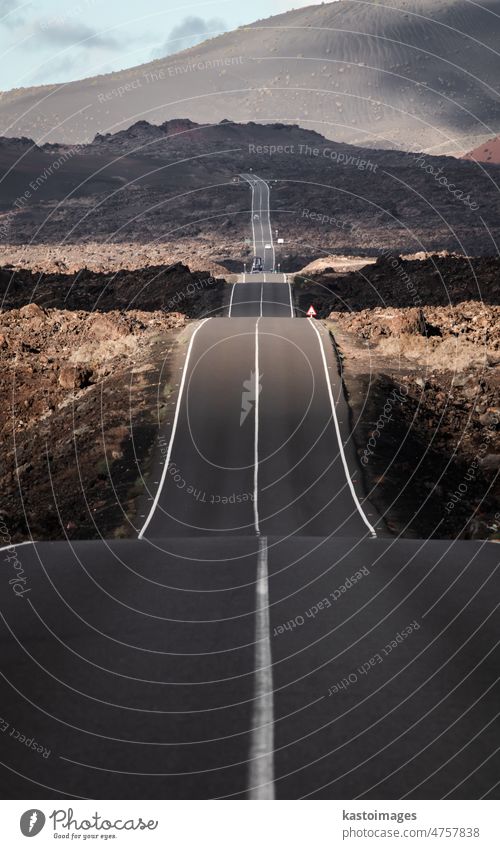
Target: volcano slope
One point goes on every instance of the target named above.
(413, 74)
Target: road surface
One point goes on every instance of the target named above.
(255, 447)
(266, 294)
(262, 234)
(133, 665)
(263, 637)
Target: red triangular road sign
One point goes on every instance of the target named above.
(311, 312)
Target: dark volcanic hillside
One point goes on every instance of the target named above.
(177, 185)
(413, 74)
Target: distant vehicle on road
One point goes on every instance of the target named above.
(256, 265)
(267, 247)
(256, 217)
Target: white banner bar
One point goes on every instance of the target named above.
(226, 825)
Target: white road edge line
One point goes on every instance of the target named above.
(269, 221)
(18, 544)
(246, 178)
(256, 436)
(261, 766)
(252, 214)
(231, 300)
(174, 428)
(292, 314)
(262, 236)
(337, 430)
(261, 297)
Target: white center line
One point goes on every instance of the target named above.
(174, 428)
(261, 296)
(261, 767)
(256, 435)
(261, 215)
(253, 222)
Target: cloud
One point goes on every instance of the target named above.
(7, 6)
(189, 32)
(60, 70)
(7, 19)
(66, 49)
(66, 34)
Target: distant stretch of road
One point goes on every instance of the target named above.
(263, 637)
(262, 234)
(267, 295)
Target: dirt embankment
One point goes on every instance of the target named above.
(438, 280)
(423, 383)
(85, 389)
(152, 288)
(429, 445)
(111, 257)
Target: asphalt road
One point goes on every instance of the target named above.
(255, 295)
(261, 221)
(254, 447)
(132, 665)
(263, 637)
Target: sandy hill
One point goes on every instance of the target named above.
(487, 152)
(412, 74)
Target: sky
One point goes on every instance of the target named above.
(47, 41)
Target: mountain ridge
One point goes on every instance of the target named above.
(143, 185)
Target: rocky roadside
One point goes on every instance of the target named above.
(85, 390)
(167, 288)
(80, 417)
(427, 435)
(428, 443)
(423, 385)
(393, 281)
